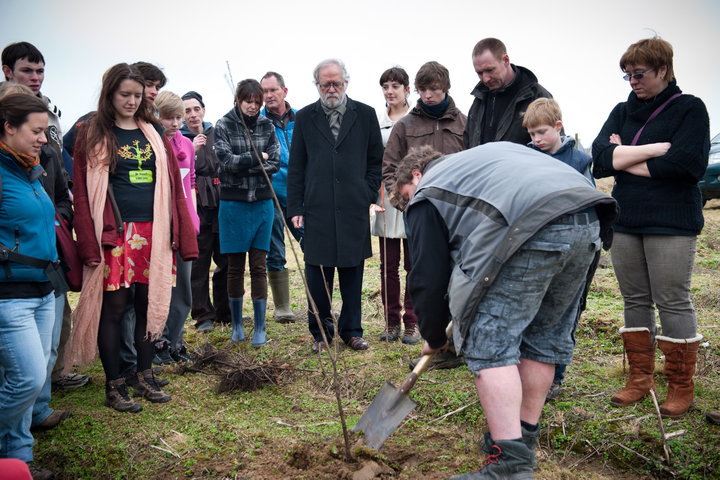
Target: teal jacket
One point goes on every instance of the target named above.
(284, 135)
(27, 221)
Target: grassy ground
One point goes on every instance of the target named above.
(292, 430)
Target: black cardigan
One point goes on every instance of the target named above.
(669, 202)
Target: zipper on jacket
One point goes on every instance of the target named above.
(17, 240)
(492, 111)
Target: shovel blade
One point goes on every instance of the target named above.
(384, 415)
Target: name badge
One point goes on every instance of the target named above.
(141, 176)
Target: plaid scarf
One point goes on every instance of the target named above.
(28, 162)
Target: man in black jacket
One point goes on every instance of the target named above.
(501, 97)
(204, 310)
(333, 177)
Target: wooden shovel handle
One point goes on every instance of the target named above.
(421, 366)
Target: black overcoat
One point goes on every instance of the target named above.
(333, 182)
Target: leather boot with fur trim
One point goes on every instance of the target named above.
(640, 352)
(680, 361)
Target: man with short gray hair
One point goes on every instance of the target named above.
(333, 177)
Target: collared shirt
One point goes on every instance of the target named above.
(335, 115)
(284, 119)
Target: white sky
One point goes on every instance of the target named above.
(572, 46)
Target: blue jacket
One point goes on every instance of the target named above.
(27, 219)
(569, 155)
(284, 135)
(187, 133)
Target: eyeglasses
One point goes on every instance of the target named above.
(328, 85)
(636, 76)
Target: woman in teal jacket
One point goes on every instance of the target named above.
(27, 302)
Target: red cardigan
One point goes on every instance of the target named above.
(182, 236)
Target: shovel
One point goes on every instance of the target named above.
(391, 406)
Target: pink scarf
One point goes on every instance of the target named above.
(82, 348)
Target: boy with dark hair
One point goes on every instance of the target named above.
(23, 63)
(155, 79)
(437, 122)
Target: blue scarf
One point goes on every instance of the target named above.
(436, 111)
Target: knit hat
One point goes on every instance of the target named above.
(195, 95)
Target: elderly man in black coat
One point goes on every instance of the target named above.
(333, 176)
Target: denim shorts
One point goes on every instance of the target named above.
(530, 309)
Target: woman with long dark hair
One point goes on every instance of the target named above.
(131, 216)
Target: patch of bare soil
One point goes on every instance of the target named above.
(326, 461)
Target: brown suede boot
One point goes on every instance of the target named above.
(116, 396)
(148, 388)
(680, 360)
(640, 351)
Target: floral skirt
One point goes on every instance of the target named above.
(128, 261)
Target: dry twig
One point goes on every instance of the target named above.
(165, 450)
(450, 414)
(666, 448)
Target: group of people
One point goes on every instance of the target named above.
(159, 194)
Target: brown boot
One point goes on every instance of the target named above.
(680, 360)
(116, 396)
(640, 351)
(148, 387)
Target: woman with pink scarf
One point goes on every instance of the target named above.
(131, 217)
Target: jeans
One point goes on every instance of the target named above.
(26, 326)
(64, 337)
(180, 302)
(655, 270)
(531, 309)
(41, 408)
(276, 255)
(560, 368)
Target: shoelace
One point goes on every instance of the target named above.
(122, 390)
(152, 382)
(492, 458)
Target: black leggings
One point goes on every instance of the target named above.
(109, 331)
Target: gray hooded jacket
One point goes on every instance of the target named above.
(493, 198)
